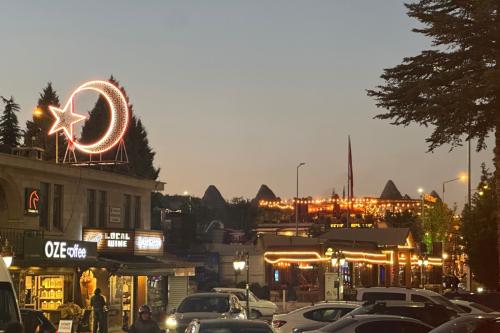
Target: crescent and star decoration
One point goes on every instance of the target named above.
(66, 117)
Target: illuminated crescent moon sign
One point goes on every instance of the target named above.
(65, 118)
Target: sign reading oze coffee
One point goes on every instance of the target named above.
(142, 242)
(61, 250)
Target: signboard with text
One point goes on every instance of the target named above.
(60, 250)
(139, 242)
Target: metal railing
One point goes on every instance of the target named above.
(16, 237)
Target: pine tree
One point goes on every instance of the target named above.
(454, 86)
(37, 129)
(139, 152)
(479, 230)
(10, 132)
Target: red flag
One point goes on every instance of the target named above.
(350, 185)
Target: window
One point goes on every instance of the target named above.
(324, 315)
(127, 211)
(376, 296)
(8, 308)
(91, 206)
(103, 202)
(418, 298)
(204, 304)
(137, 212)
(44, 205)
(57, 204)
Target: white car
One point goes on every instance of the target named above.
(327, 312)
(404, 294)
(471, 307)
(375, 324)
(9, 309)
(258, 307)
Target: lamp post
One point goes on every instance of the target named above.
(297, 202)
(7, 253)
(421, 192)
(338, 260)
(241, 262)
(463, 177)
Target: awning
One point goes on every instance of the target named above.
(145, 265)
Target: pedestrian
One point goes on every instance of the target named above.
(145, 324)
(98, 304)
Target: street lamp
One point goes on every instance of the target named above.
(423, 262)
(241, 262)
(297, 201)
(338, 260)
(421, 192)
(463, 177)
(7, 253)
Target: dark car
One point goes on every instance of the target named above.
(429, 313)
(375, 324)
(228, 326)
(204, 306)
(484, 323)
(489, 299)
(35, 321)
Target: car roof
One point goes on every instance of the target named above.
(369, 317)
(397, 290)
(229, 289)
(235, 322)
(390, 303)
(212, 294)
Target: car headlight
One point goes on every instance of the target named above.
(171, 323)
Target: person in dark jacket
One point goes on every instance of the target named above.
(98, 304)
(145, 324)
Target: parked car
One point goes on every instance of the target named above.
(258, 307)
(34, 321)
(228, 326)
(204, 306)
(404, 294)
(483, 323)
(318, 314)
(429, 313)
(9, 309)
(375, 324)
(472, 307)
(489, 298)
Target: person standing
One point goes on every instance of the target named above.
(98, 304)
(144, 324)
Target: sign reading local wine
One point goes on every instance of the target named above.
(144, 242)
(61, 250)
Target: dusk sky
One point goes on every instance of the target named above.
(237, 93)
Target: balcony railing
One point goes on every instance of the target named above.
(16, 238)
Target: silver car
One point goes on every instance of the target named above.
(204, 306)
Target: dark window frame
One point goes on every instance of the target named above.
(91, 208)
(58, 207)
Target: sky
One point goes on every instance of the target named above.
(237, 93)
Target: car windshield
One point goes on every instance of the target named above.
(204, 304)
(8, 308)
(220, 328)
(460, 325)
(446, 302)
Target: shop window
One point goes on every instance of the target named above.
(91, 208)
(44, 205)
(127, 207)
(137, 212)
(103, 202)
(57, 215)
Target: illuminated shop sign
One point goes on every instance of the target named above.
(61, 250)
(144, 242)
(32, 201)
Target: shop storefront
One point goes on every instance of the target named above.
(137, 272)
(48, 273)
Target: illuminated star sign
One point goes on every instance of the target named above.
(118, 107)
(65, 119)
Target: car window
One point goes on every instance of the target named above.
(204, 304)
(465, 308)
(8, 306)
(419, 298)
(446, 302)
(316, 315)
(381, 296)
(253, 298)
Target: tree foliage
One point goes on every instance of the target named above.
(436, 222)
(140, 153)
(10, 133)
(37, 129)
(479, 231)
(406, 219)
(455, 85)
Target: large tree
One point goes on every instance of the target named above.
(479, 229)
(140, 153)
(37, 129)
(455, 85)
(10, 133)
